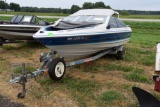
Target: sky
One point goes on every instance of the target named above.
(153, 5)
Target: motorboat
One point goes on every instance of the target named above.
(21, 27)
(84, 33)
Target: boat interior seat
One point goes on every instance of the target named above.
(41, 22)
(4, 22)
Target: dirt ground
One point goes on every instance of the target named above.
(5, 102)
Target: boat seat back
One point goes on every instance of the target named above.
(40, 22)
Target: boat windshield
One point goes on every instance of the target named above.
(23, 19)
(72, 22)
(27, 19)
(85, 18)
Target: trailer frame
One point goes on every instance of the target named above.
(46, 60)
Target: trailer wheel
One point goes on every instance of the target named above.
(120, 54)
(57, 69)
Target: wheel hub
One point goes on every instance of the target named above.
(59, 69)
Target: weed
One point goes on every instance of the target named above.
(139, 70)
(9, 47)
(149, 60)
(111, 96)
(37, 94)
(45, 81)
(82, 86)
(81, 100)
(33, 45)
(111, 67)
(126, 86)
(2, 59)
(133, 105)
(80, 89)
(18, 70)
(137, 78)
(110, 84)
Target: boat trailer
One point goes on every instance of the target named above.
(56, 67)
(7, 41)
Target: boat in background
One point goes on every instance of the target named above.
(84, 33)
(21, 27)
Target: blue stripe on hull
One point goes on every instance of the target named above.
(55, 41)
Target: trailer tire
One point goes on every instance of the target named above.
(120, 54)
(57, 69)
(21, 95)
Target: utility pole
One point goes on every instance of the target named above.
(6, 6)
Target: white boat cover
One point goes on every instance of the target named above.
(104, 12)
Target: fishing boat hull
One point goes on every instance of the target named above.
(21, 32)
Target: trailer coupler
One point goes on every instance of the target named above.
(22, 79)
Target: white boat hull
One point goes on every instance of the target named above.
(84, 36)
(81, 50)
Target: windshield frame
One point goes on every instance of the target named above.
(85, 18)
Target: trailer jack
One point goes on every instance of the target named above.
(22, 79)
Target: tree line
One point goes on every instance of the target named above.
(11, 6)
(74, 8)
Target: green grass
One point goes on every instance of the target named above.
(126, 86)
(81, 86)
(98, 67)
(18, 70)
(7, 47)
(35, 93)
(2, 59)
(79, 89)
(5, 18)
(136, 77)
(141, 16)
(111, 96)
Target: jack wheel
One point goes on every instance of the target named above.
(155, 78)
(21, 95)
(57, 69)
(120, 54)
